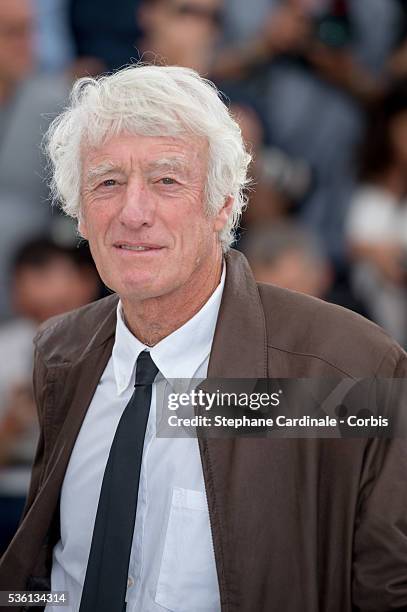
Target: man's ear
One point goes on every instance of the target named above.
(223, 215)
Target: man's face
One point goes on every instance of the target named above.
(144, 216)
(16, 44)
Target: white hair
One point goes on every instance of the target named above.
(150, 101)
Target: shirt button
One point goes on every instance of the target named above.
(130, 582)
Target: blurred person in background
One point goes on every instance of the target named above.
(313, 64)
(279, 182)
(105, 32)
(28, 101)
(377, 220)
(288, 255)
(53, 36)
(47, 280)
(266, 201)
(181, 32)
(397, 63)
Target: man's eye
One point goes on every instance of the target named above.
(168, 181)
(109, 183)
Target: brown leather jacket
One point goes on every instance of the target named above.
(297, 524)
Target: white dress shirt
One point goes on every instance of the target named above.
(172, 564)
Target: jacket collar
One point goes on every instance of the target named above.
(239, 348)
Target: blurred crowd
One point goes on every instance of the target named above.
(319, 88)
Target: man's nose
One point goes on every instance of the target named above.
(138, 207)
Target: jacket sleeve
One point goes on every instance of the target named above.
(380, 542)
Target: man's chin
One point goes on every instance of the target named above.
(141, 290)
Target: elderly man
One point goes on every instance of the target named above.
(152, 165)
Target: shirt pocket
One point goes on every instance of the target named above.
(187, 579)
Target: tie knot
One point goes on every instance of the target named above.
(146, 370)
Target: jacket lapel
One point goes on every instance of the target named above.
(81, 382)
(239, 350)
(72, 395)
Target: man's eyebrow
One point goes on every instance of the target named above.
(176, 164)
(99, 170)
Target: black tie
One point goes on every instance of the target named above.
(106, 577)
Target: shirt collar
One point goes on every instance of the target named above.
(179, 355)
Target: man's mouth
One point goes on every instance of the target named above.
(137, 247)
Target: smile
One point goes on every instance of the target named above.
(136, 248)
(139, 248)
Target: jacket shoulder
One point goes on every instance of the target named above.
(310, 327)
(65, 338)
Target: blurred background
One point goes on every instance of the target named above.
(319, 88)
